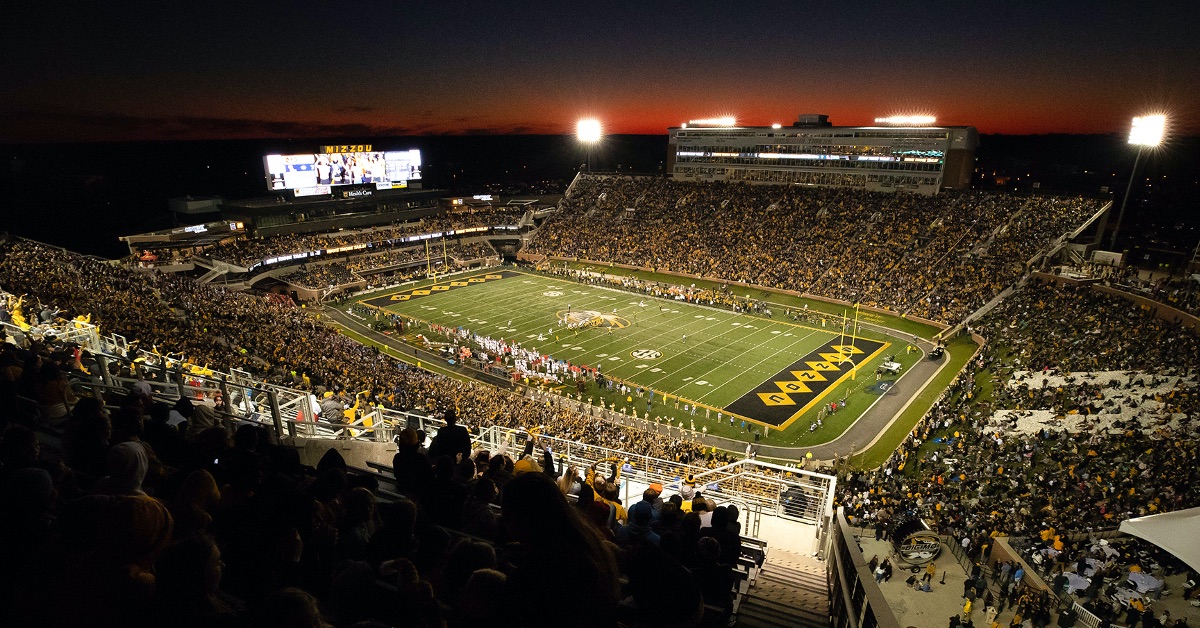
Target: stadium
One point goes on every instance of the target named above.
(693, 398)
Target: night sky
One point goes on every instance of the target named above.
(129, 71)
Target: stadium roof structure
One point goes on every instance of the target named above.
(1177, 532)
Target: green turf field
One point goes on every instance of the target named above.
(771, 371)
(899, 323)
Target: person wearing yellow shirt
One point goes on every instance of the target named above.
(606, 490)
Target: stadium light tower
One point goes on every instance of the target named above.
(588, 131)
(907, 120)
(1146, 132)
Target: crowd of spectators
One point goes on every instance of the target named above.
(288, 346)
(1010, 480)
(471, 251)
(367, 264)
(247, 251)
(393, 277)
(131, 517)
(1182, 293)
(165, 523)
(1117, 390)
(147, 519)
(320, 275)
(719, 297)
(938, 257)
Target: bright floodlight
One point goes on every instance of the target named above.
(588, 131)
(776, 126)
(1147, 130)
(906, 120)
(724, 121)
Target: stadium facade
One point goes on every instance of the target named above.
(919, 159)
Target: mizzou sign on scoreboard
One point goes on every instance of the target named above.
(347, 148)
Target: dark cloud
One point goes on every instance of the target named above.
(507, 130)
(26, 125)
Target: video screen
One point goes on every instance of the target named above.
(312, 173)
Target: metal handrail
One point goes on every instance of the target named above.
(731, 482)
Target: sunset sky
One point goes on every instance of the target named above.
(90, 71)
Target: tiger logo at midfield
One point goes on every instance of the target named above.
(591, 318)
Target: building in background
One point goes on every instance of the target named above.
(919, 159)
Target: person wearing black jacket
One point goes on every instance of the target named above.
(451, 440)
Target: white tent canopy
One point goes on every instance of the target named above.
(1177, 532)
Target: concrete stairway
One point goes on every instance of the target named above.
(790, 592)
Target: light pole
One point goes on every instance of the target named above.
(588, 131)
(1146, 132)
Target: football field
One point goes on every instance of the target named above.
(698, 361)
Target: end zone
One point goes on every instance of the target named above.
(453, 284)
(793, 391)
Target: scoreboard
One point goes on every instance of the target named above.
(309, 174)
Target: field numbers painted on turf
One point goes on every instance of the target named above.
(656, 370)
(698, 316)
(552, 293)
(748, 326)
(602, 355)
(787, 335)
(709, 318)
(776, 331)
(701, 382)
(642, 366)
(736, 324)
(688, 378)
(614, 359)
(526, 281)
(428, 307)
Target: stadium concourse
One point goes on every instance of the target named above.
(152, 514)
